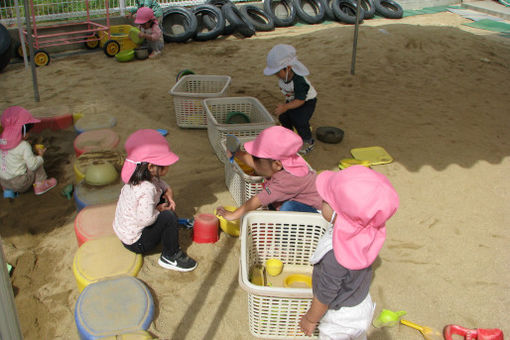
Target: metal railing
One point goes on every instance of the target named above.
(54, 10)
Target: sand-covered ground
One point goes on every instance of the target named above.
(434, 94)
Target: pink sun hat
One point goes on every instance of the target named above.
(146, 145)
(144, 14)
(363, 200)
(280, 144)
(13, 119)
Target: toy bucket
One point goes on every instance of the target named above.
(205, 228)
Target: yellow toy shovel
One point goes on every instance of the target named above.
(427, 332)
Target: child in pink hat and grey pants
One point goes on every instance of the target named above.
(357, 201)
(289, 184)
(20, 169)
(145, 214)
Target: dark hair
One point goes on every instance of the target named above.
(258, 159)
(142, 173)
(25, 128)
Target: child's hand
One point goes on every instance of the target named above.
(225, 213)
(169, 199)
(141, 35)
(280, 109)
(307, 326)
(171, 204)
(40, 151)
(163, 206)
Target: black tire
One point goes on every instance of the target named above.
(318, 7)
(329, 10)
(178, 16)
(259, 19)
(271, 7)
(345, 11)
(388, 9)
(329, 134)
(90, 45)
(5, 58)
(5, 39)
(18, 51)
(369, 8)
(41, 58)
(111, 48)
(229, 28)
(214, 15)
(236, 18)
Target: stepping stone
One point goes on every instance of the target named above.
(95, 122)
(95, 140)
(94, 221)
(112, 307)
(85, 194)
(104, 258)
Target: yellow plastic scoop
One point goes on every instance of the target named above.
(427, 332)
(258, 275)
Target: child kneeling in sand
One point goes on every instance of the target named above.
(145, 214)
(289, 185)
(300, 96)
(20, 169)
(150, 31)
(357, 201)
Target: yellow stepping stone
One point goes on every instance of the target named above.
(104, 258)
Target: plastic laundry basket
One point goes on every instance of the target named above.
(241, 185)
(291, 237)
(189, 93)
(217, 110)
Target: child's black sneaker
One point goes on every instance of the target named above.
(178, 261)
(307, 147)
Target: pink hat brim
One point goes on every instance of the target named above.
(13, 119)
(129, 167)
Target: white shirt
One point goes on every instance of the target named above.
(136, 209)
(14, 162)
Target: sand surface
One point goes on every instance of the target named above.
(434, 94)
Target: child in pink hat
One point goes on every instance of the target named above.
(145, 214)
(20, 169)
(150, 31)
(357, 201)
(289, 184)
(300, 95)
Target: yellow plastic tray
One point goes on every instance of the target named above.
(376, 155)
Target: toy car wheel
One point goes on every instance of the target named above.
(92, 42)
(18, 49)
(41, 58)
(111, 48)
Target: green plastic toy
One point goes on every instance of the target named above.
(68, 191)
(388, 318)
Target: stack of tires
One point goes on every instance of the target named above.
(6, 44)
(222, 17)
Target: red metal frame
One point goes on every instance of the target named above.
(68, 37)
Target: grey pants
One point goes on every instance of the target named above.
(24, 182)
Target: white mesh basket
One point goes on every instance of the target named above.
(241, 185)
(291, 237)
(217, 110)
(189, 93)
